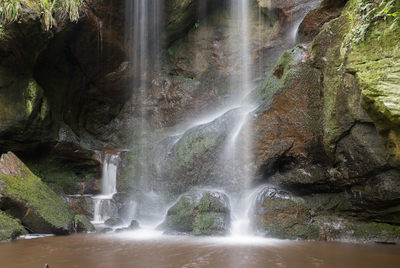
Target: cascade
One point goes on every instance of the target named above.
(143, 36)
(236, 155)
(103, 206)
(233, 171)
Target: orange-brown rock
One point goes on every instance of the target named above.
(287, 128)
(312, 23)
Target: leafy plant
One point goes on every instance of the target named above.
(11, 10)
(367, 14)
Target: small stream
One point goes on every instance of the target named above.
(151, 249)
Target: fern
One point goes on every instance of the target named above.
(11, 10)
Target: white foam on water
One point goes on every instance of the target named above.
(102, 203)
(144, 233)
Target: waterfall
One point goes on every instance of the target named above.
(143, 37)
(232, 170)
(236, 155)
(103, 206)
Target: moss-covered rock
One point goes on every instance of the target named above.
(277, 213)
(82, 224)
(69, 174)
(199, 213)
(112, 222)
(25, 196)
(287, 125)
(10, 228)
(346, 229)
(372, 52)
(184, 161)
(181, 15)
(358, 55)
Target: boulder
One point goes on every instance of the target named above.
(112, 222)
(277, 213)
(191, 159)
(26, 197)
(134, 225)
(106, 230)
(10, 228)
(200, 213)
(81, 204)
(82, 224)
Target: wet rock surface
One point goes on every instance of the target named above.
(277, 213)
(347, 158)
(326, 11)
(82, 224)
(112, 222)
(199, 213)
(81, 204)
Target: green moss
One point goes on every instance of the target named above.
(210, 223)
(180, 216)
(277, 80)
(375, 59)
(372, 230)
(32, 92)
(363, 41)
(54, 171)
(326, 49)
(211, 203)
(192, 146)
(45, 203)
(199, 213)
(82, 224)
(10, 228)
(307, 232)
(333, 228)
(285, 217)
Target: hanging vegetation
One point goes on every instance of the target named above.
(49, 10)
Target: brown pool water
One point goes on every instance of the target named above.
(135, 249)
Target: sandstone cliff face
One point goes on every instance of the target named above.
(336, 147)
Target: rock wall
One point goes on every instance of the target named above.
(325, 131)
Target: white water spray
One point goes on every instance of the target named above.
(103, 207)
(236, 155)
